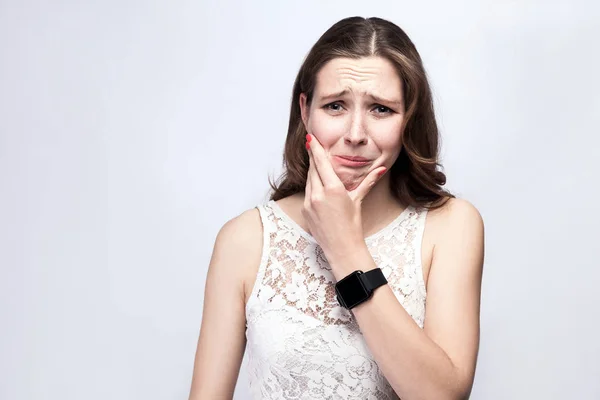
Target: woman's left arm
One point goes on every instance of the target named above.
(437, 362)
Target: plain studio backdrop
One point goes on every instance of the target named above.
(131, 131)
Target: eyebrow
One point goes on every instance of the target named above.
(374, 97)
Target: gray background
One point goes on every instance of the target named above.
(131, 131)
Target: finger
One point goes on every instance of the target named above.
(367, 184)
(308, 188)
(322, 164)
(316, 186)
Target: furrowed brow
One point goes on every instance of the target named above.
(374, 97)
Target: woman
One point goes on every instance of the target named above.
(361, 192)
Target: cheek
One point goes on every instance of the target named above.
(388, 138)
(327, 130)
(391, 142)
(392, 132)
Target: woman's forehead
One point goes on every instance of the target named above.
(373, 77)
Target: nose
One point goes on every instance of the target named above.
(357, 133)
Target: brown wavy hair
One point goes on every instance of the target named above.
(415, 177)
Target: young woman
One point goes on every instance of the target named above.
(361, 276)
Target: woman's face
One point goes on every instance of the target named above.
(365, 120)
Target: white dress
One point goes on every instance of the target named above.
(301, 344)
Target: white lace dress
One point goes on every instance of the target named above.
(301, 344)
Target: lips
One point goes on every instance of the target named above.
(346, 162)
(355, 158)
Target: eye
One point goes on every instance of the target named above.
(381, 109)
(386, 110)
(327, 107)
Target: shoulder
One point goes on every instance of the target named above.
(243, 231)
(456, 224)
(456, 215)
(459, 234)
(238, 246)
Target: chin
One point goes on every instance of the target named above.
(351, 184)
(350, 188)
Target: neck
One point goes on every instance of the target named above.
(379, 205)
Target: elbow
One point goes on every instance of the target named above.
(455, 385)
(453, 390)
(453, 393)
(461, 390)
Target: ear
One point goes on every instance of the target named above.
(304, 110)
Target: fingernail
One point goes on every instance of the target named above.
(381, 172)
(308, 137)
(307, 146)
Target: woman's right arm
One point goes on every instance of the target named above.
(237, 252)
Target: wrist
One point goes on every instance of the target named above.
(358, 287)
(344, 263)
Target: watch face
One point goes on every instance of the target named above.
(351, 290)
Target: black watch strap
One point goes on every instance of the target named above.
(373, 279)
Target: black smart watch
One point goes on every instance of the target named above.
(358, 287)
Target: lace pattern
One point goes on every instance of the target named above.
(301, 343)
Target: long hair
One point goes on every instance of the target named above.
(415, 177)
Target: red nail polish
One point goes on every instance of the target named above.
(307, 146)
(381, 172)
(308, 137)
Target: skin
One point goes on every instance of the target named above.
(437, 361)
